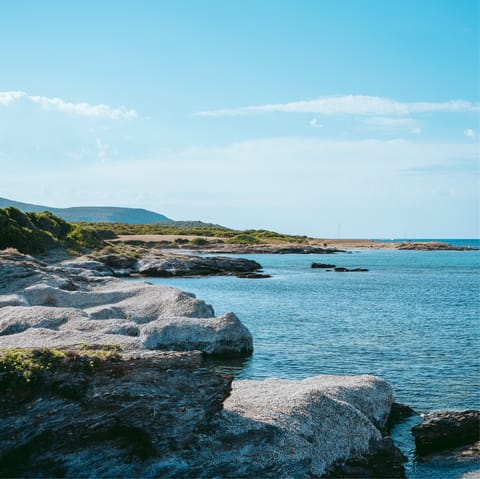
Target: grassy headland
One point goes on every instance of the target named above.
(229, 235)
(36, 233)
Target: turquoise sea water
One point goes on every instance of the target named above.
(413, 319)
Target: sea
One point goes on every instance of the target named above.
(413, 319)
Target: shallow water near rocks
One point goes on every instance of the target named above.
(412, 319)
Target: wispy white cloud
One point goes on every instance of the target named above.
(314, 123)
(350, 105)
(8, 97)
(389, 122)
(84, 109)
(103, 150)
(469, 132)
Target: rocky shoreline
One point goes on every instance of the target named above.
(154, 408)
(311, 246)
(163, 415)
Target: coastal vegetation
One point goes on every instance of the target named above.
(24, 365)
(232, 236)
(33, 233)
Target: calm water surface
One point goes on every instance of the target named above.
(413, 319)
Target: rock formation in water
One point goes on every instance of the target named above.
(432, 246)
(76, 303)
(447, 430)
(182, 265)
(321, 265)
(347, 270)
(166, 265)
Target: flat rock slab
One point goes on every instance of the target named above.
(76, 303)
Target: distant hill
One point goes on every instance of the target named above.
(93, 214)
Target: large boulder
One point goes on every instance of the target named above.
(304, 428)
(76, 303)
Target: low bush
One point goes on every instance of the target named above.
(243, 238)
(198, 241)
(33, 233)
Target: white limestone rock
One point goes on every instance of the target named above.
(211, 335)
(311, 424)
(70, 304)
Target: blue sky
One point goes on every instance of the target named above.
(297, 116)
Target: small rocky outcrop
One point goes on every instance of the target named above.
(182, 265)
(433, 246)
(322, 265)
(347, 270)
(77, 303)
(446, 430)
(253, 275)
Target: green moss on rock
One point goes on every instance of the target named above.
(24, 365)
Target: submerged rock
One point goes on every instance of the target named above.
(70, 304)
(253, 275)
(347, 270)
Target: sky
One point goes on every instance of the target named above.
(350, 118)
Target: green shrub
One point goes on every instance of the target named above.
(47, 221)
(243, 238)
(83, 237)
(198, 241)
(32, 233)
